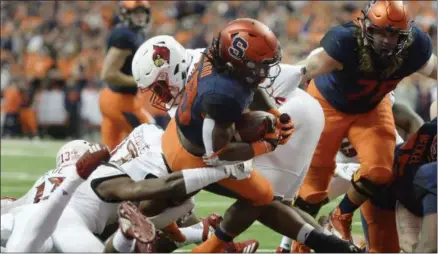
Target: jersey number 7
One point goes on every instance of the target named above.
(55, 181)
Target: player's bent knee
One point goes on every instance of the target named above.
(378, 175)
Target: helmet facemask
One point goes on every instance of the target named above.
(126, 14)
(164, 96)
(385, 41)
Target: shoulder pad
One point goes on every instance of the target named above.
(122, 38)
(339, 43)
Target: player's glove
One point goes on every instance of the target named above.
(285, 124)
(89, 161)
(268, 144)
(239, 171)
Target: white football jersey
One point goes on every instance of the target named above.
(47, 184)
(144, 143)
(286, 82)
(138, 156)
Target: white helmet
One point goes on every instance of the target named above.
(161, 64)
(70, 153)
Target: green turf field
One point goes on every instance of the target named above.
(22, 162)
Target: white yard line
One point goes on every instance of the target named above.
(14, 175)
(16, 152)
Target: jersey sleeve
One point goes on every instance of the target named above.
(221, 108)
(339, 43)
(121, 38)
(421, 49)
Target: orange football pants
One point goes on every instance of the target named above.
(372, 134)
(380, 229)
(121, 113)
(256, 188)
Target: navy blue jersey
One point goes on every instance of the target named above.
(418, 150)
(125, 38)
(425, 187)
(210, 93)
(353, 91)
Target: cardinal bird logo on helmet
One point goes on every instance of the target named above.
(161, 55)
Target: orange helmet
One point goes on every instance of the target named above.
(390, 19)
(248, 49)
(126, 7)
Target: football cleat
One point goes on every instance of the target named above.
(281, 250)
(248, 246)
(210, 223)
(134, 225)
(340, 224)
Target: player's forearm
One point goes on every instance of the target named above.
(312, 69)
(319, 64)
(262, 101)
(172, 186)
(237, 152)
(120, 78)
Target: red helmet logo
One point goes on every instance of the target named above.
(161, 55)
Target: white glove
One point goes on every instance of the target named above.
(239, 171)
(216, 162)
(212, 161)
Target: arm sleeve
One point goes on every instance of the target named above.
(339, 43)
(221, 108)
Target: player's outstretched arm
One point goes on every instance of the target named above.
(319, 64)
(430, 68)
(406, 118)
(124, 188)
(114, 60)
(176, 185)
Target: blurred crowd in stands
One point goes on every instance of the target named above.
(52, 51)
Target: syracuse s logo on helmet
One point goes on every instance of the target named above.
(161, 55)
(238, 48)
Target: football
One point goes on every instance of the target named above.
(254, 125)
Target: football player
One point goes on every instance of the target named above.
(219, 89)
(284, 174)
(121, 109)
(360, 64)
(34, 224)
(347, 162)
(408, 205)
(136, 172)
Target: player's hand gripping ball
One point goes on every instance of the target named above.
(94, 157)
(253, 126)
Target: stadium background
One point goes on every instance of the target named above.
(52, 52)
